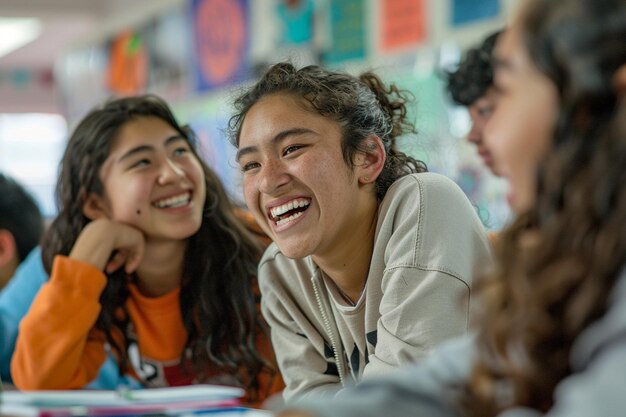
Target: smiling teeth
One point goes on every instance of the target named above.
(297, 203)
(290, 218)
(173, 202)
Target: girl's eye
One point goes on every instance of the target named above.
(180, 151)
(485, 111)
(249, 166)
(291, 148)
(141, 163)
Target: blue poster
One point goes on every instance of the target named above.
(221, 42)
(468, 11)
(217, 151)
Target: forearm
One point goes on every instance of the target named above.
(418, 390)
(53, 349)
(304, 358)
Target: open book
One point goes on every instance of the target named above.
(164, 401)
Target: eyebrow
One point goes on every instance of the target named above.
(279, 137)
(148, 148)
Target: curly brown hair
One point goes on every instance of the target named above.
(364, 106)
(557, 264)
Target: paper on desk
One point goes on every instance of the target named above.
(103, 397)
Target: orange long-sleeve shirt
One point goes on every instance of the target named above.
(57, 347)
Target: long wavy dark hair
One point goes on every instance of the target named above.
(363, 105)
(558, 263)
(216, 298)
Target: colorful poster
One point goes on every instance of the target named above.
(221, 42)
(128, 64)
(217, 151)
(347, 27)
(167, 39)
(208, 117)
(468, 11)
(403, 24)
(297, 21)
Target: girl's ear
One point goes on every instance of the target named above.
(370, 162)
(619, 81)
(95, 207)
(8, 248)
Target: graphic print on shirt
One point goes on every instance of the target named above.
(355, 359)
(355, 356)
(154, 373)
(331, 368)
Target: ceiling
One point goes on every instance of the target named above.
(64, 23)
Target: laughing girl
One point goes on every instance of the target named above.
(373, 256)
(147, 260)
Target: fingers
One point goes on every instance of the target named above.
(115, 263)
(130, 259)
(129, 248)
(109, 245)
(134, 259)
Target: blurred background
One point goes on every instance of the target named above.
(59, 58)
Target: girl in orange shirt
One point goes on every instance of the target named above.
(147, 261)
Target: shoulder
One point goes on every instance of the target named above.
(271, 255)
(29, 275)
(431, 222)
(427, 184)
(276, 269)
(286, 285)
(418, 195)
(33, 266)
(18, 295)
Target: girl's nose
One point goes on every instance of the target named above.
(475, 134)
(170, 172)
(273, 176)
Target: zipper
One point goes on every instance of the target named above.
(338, 362)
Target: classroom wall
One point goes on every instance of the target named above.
(199, 53)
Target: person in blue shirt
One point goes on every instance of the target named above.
(21, 226)
(22, 273)
(15, 299)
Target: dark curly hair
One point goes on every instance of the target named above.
(217, 297)
(474, 75)
(364, 106)
(558, 263)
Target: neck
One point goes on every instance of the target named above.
(161, 269)
(348, 262)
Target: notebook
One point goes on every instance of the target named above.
(160, 401)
